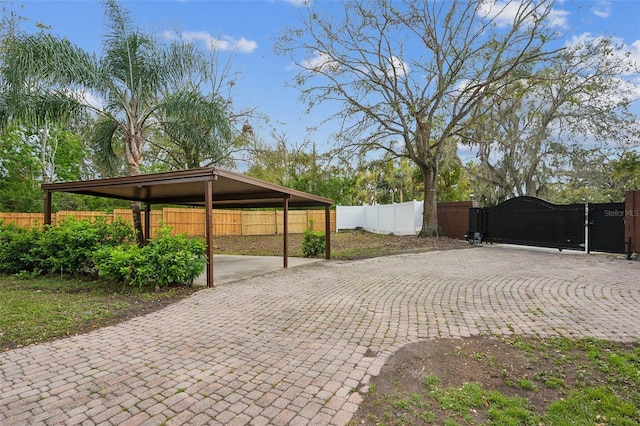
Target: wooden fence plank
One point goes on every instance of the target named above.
(26, 220)
(190, 221)
(227, 222)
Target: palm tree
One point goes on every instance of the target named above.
(135, 80)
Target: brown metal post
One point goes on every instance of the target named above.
(147, 222)
(285, 233)
(47, 207)
(327, 232)
(208, 226)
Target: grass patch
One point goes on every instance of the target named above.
(592, 406)
(35, 310)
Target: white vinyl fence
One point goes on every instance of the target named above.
(398, 219)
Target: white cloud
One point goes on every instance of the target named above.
(580, 40)
(627, 53)
(558, 18)
(632, 87)
(629, 81)
(397, 67)
(90, 99)
(503, 13)
(298, 3)
(634, 52)
(225, 43)
(169, 35)
(319, 62)
(322, 62)
(602, 9)
(87, 98)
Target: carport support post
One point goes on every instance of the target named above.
(208, 227)
(285, 232)
(47, 207)
(147, 222)
(327, 232)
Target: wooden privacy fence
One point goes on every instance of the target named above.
(191, 221)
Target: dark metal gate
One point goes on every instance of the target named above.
(531, 221)
(606, 227)
(535, 222)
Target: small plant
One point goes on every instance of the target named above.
(431, 381)
(526, 384)
(458, 352)
(491, 360)
(554, 382)
(313, 243)
(400, 404)
(428, 416)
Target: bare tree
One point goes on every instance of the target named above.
(408, 74)
(578, 104)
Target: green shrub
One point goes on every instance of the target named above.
(165, 260)
(174, 259)
(17, 245)
(120, 263)
(66, 248)
(313, 243)
(69, 246)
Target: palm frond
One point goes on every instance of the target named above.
(102, 141)
(41, 76)
(119, 24)
(197, 125)
(54, 61)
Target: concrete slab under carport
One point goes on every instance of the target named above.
(229, 268)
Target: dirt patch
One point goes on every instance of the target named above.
(345, 245)
(527, 368)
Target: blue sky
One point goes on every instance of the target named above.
(246, 30)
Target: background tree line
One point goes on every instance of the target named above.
(487, 107)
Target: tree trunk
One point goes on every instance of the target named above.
(137, 223)
(44, 140)
(134, 170)
(430, 213)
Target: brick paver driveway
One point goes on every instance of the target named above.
(298, 346)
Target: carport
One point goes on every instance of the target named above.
(207, 187)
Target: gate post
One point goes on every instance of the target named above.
(632, 219)
(586, 228)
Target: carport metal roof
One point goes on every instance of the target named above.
(208, 187)
(185, 187)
